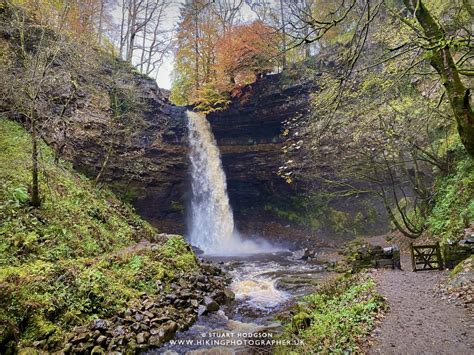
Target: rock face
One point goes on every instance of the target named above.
(149, 164)
(250, 135)
(107, 119)
(144, 154)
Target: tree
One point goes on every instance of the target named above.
(246, 53)
(226, 12)
(197, 36)
(437, 36)
(32, 94)
(142, 29)
(380, 122)
(439, 45)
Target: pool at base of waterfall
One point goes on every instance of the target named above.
(265, 285)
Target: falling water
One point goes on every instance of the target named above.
(212, 222)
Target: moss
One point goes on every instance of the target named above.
(314, 211)
(76, 257)
(453, 202)
(459, 267)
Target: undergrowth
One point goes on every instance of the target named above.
(336, 319)
(73, 259)
(453, 202)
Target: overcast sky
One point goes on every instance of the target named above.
(164, 74)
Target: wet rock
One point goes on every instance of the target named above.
(210, 304)
(201, 310)
(229, 295)
(211, 269)
(153, 321)
(165, 333)
(197, 251)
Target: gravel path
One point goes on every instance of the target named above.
(421, 319)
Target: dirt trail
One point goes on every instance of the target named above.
(421, 319)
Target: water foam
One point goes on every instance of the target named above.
(211, 219)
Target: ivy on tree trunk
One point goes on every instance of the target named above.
(442, 61)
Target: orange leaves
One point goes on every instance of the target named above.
(246, 52)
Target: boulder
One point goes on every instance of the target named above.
(165, 333)
(229, 295)
(142, 337)
(100, 324)
(210, 304)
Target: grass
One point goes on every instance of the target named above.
(73, 259)
(336, 319)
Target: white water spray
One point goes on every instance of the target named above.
(211, 219)
(212, 222)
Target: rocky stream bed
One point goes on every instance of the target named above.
(230, 296)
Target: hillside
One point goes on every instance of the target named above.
(83, 255)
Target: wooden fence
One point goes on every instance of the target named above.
(426, 257)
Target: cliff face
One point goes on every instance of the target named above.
(250, 135)
(148, 160)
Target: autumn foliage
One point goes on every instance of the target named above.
(212, 60)
(244, 54)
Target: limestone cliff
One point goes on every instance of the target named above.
(250, 136)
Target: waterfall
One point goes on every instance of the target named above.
(212, 222)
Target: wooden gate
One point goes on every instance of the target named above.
(426, 257)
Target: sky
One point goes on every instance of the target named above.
(164, 77)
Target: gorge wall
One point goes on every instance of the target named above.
(250, 137)
(111, 122)
(147, 163)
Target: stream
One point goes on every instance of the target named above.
(265, 281)
(265, 285)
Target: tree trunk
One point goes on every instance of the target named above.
(442, 61)
(101, 16)
(283, 36)
(35, 197)
(103, 166)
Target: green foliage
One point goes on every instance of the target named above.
(76, 257)
(76, 220)
(210, 99)
(336, 318)
(314, 211)
(453, 202)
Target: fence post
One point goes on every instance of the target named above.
(412, 257)
(438, 253)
